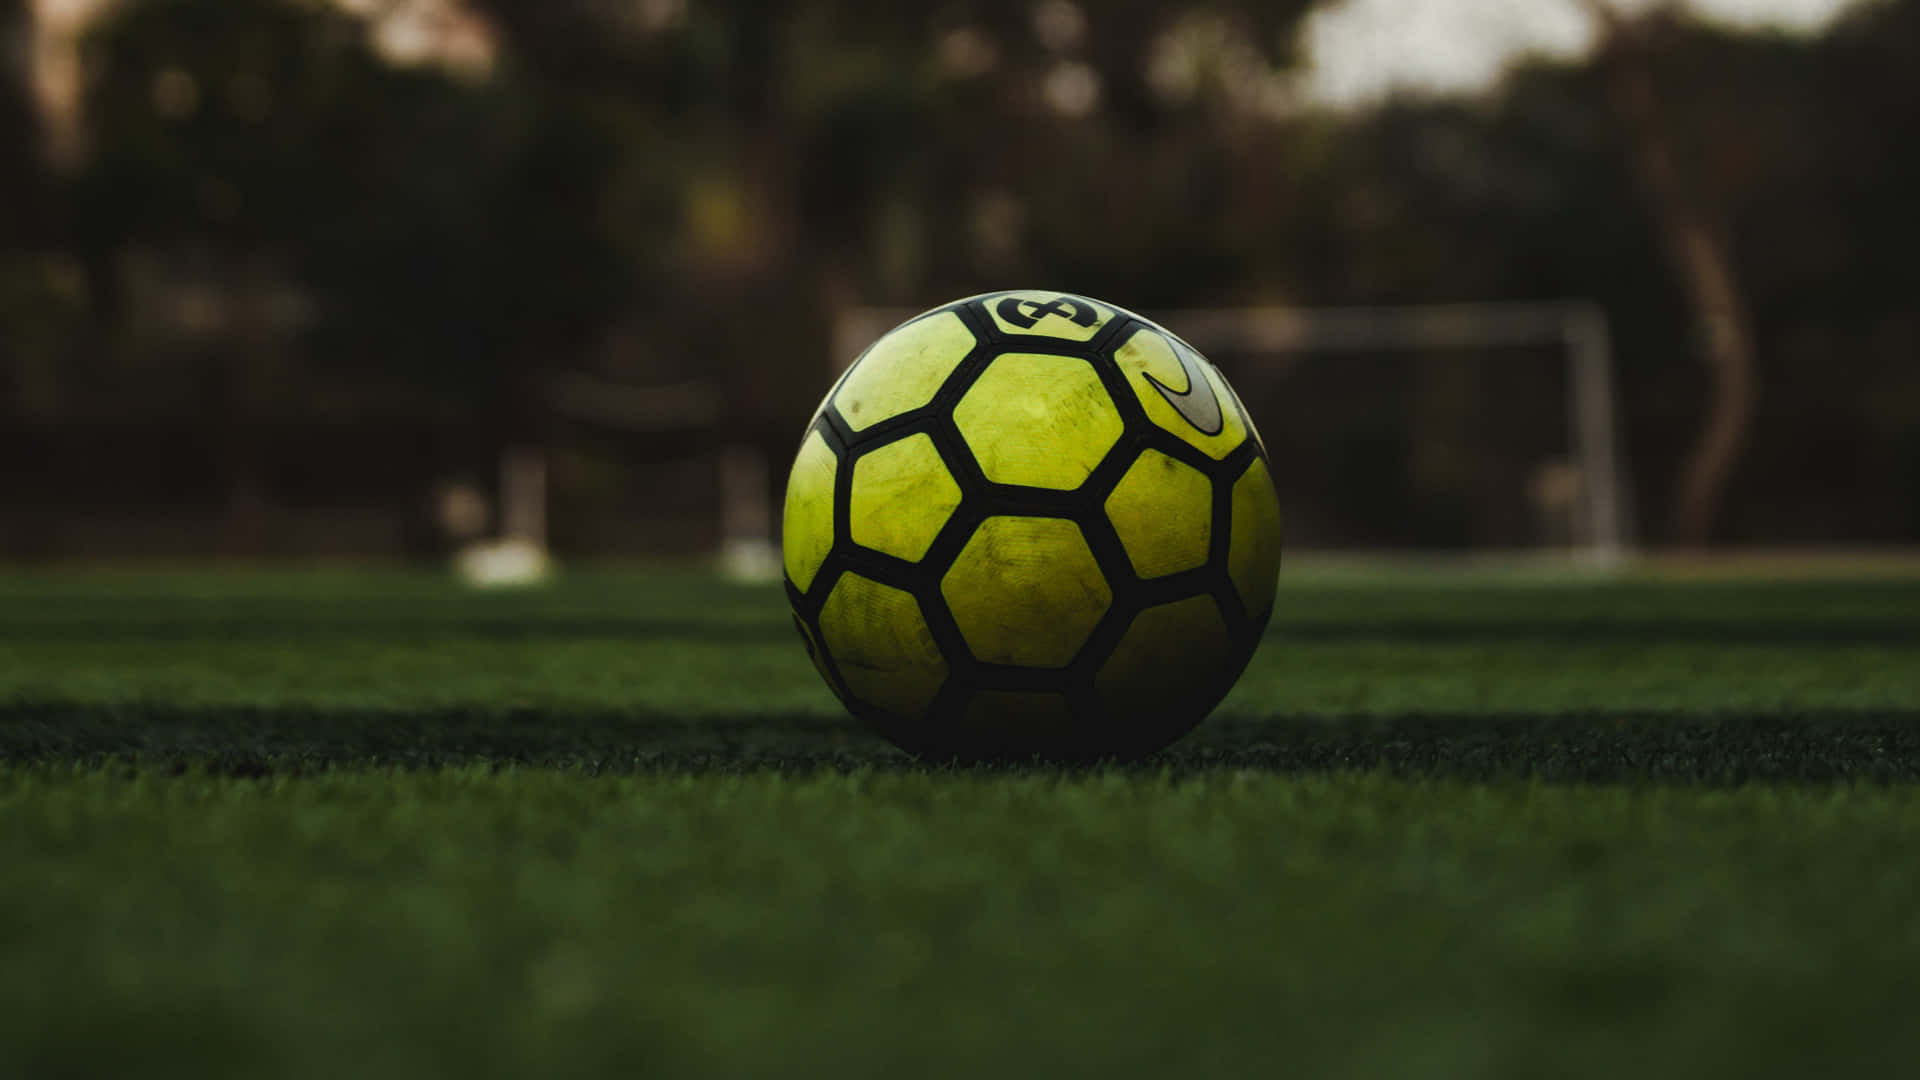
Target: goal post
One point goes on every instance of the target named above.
(1602, 527)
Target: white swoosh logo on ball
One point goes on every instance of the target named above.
(1198, 404)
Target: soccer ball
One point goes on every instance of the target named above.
(1031, 524)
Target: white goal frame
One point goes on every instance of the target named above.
(1603, 529)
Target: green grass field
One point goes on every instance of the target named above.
(335, 824)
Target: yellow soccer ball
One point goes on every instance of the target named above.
(1031, 524)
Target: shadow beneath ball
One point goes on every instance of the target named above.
(1691, 748)
(1010, 737)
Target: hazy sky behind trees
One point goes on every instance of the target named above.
(1360, 50)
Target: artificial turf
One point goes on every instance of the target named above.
(365, 824)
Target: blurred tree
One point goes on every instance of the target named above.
(1700, 253)
(39, 293)
(1784, 149)
(818, 154)
(268, 200)
(20, 188)
(278, 220)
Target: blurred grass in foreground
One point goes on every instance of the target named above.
(373, 825)
(681, 644)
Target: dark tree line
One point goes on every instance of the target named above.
(272, 224)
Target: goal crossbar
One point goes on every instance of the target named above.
(1579, 328)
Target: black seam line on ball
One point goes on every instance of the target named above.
(815, 601)
(1125, 399)
(978, 321)
(819, 424)
(985, 330)
(1242, 458)
(945, 630)
(796, 596)
(1020, 500)
(949, 390)
(1018, 677)
(1106, 636)
(963, 376)
(880, 568)
(1179, 449)
(814, 596)
(1109, 551)
(1246, 642)
(951, 538)
(832, 434)
(1233, 469)
(1093, 653)
(1106, 476)
(836, 682)
(824, 579)
(1101, 344)
(833, 390)
(842, 507)
(1240, 626)
(957, 456)
(838, 428)
(1219, 543)
(961, 380)
(1046, 345)
(891, 430)
(1171, 588)
(842, 481)
(966, 371)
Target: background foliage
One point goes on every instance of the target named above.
(286, 271)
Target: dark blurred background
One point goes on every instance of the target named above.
(294, 278)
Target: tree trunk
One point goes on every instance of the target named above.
(1700, 257)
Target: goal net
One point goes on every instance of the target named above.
(1470, 428)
